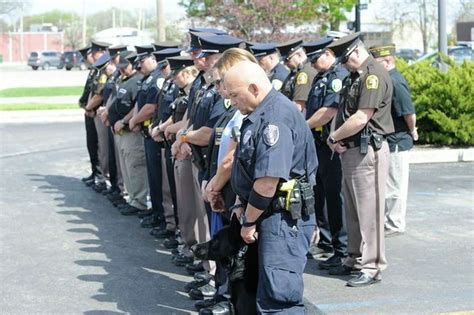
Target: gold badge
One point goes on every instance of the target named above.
(102, 79)
(302, 78)
(372, 82)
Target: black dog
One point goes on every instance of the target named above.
(240, 260)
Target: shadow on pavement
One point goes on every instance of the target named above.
(134, 275)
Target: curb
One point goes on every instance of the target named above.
(419, 155)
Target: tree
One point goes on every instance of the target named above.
(419, 14)
(58, 18)
(266, 20)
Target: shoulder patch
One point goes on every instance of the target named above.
(277, 84)
(159, 82)
(302, 78)
(227, 103)
(102, 79)
(271, 134)
(372, 82)
(336, 85)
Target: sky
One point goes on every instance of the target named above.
(172, 9)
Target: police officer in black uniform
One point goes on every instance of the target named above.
(273, 172)
(323, 102)
(269, 59)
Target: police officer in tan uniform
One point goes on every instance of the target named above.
(358, 135)
(298, 84)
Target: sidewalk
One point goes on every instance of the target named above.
(40, 100)
(419, 154)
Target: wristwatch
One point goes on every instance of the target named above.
(332, 140)
(183, 136)
(245, 223)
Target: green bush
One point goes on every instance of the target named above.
(444, 102)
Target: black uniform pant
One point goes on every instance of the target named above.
(153, 163)
(92, 141)
(171, 181)
(113, 174)
(329, 202)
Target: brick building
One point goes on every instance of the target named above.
(16, 46)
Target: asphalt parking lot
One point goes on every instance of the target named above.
(66, 250)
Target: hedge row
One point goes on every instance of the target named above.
(444, 101)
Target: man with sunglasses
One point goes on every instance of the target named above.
(358, 135)
(298, 83)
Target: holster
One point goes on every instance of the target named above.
(198, 157)
(297, 199)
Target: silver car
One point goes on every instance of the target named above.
(45, 60)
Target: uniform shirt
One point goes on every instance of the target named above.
(179, 106)
(195, 87)
(368, 87)
(326, 92)
(298, 84)
(110, 85)
(275, 141)
(401, 106)
(87, 87)
(226, 136)
(151, 85)
(209, 108)
(127, 90)
(169, 93)
(98, 83)
(278, 75)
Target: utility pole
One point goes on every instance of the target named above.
(113, 17)
(442, 36)
(84, 23)
(357, 17)
(160, 20)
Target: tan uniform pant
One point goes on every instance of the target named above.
(103, 137)
(133, 165)
(167, 199)
(397, 191)
(363, 186)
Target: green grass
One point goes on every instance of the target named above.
(42, 91)
(8, 107)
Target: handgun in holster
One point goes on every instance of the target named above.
(198, 157)
(291, 199)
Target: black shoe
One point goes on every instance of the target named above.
(171, 243)
(315, 250)
(182, 260)
(207, 291)
(130, 210)
(206, 303)
(99, 187)
(123, 206)
(90, 182)
(362, 280)
(115, 196)
(114, 191)
(150, 221)
(195, 267)
(221, 308)
(202, 276)
(145, 213)
(88, 178)
(119, 202)
(342, 270)
(331, 262)
(195, 284)
(162, 233)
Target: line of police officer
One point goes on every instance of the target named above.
(150, 116)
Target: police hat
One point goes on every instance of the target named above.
(116, 50)
(248, 45)
(382, 50)
(102, 61)
(335, 34)
(98, 46)
(164, 45)
(194, 42)
(126, 58)
(262, 50)
(145, 49)
(343, 47)
(214, 31)
(161, 55)
(286, 49)
(84, 52)
(133, 59)
(217, 44)
(179, 63)
(315, 49)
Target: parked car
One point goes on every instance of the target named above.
(72, 59)
(408, 54)
(457, 53)
(44, 60)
